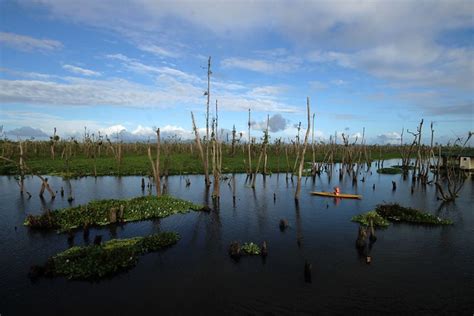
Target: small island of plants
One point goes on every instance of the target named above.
(105, 212)
(384, 213)
(95, 262)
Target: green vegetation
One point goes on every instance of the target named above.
(176, 158)
(396, 213)
(390, 170)
(105, 212)
(250, 249)
(377, 220)
(98, 261)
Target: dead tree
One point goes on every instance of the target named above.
(249, 147)
(208, 94)
(300, 169)
(262, 151)
(454, 176)
(52, 143)
(216, 157)
(201, 151)
(155, 166)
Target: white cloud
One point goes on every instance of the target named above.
(269, 90)
(260, 65)
(317, 85)
(388, 138)
(157, 50)
(143, 131)
(27, 43)
(113, 130)
(139, 67)
(81, 71)
(75, 91)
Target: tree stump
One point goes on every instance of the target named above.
(234, 250)
(113, 215)
(98, 240)
(283, 224)
(264, 249)
(307, 271)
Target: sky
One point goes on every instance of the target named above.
(132, 66)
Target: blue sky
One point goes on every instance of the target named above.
(136, 65)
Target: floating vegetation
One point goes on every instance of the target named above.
(250, 249)
(390, 170)
(396, 213)
(105, 212)
(377, 220)
(247, 249)
(95, 262)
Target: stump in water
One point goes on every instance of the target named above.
(283, 224)
(234, 250)
(373, 187)
(394, 185)
(361, 238)
(264, 249)
(120, 215)
(372, 236)
(36, 272)
(205, 208)
(98, 240)
(113, 215)
(307, 271)
(143, 184)
(62, 191)
(45, 186)
(85, 233)
(70, 239)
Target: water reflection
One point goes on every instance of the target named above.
(199, 272)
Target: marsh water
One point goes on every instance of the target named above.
(414, 269)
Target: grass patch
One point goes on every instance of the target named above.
(95, 262)
(390, 170)
(377, 220)
(179, 162)
(105, 212)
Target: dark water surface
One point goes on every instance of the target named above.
(414, 269)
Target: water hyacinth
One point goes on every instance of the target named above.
(98, 261)
(366, 218)
(384, 213)
(250, 249)
(99, 212)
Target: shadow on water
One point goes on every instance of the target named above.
(197, 274)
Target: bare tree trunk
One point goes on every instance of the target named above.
(206, 158)
(262, 151)
(156, 165)
(201, 152)
(250, 147)
(22, 170)
(300, 169)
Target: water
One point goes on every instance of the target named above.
(414, 269)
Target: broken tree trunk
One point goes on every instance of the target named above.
(156, 165)
(300, 169)
(201, 151)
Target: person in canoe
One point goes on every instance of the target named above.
(337, 191)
